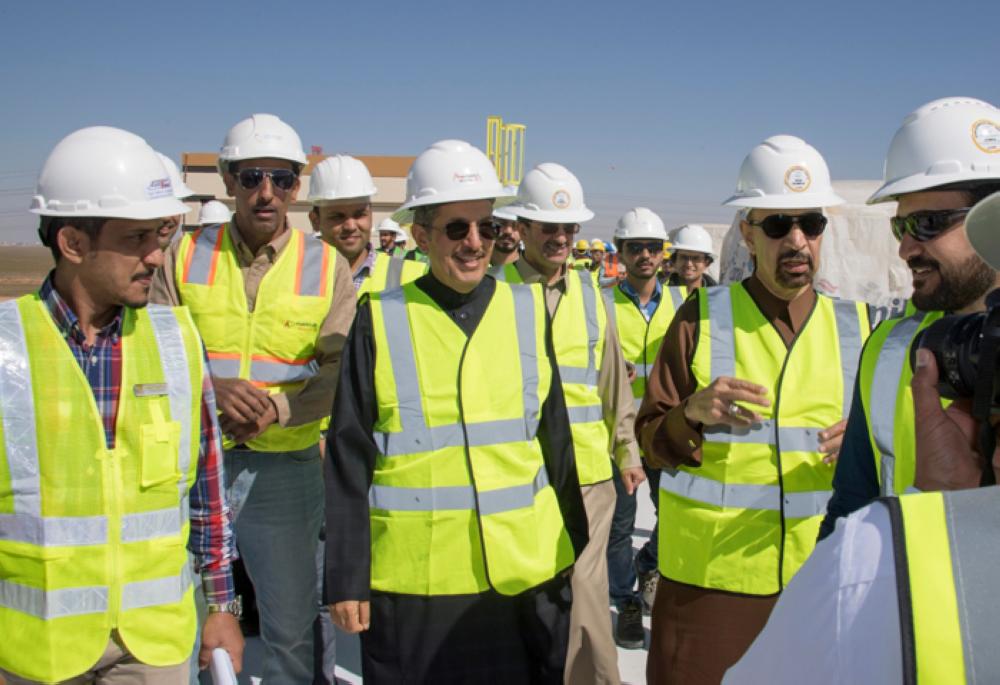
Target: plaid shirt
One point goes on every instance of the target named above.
(211, 538)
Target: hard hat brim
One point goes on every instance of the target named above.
(692, 248)
(916, 183)
(787, 201)
(577, 216)
(328, 200)
(151, 209)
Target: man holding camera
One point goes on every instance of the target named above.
(941, 162)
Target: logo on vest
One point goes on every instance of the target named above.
(301, 325)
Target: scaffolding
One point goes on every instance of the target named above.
(505, 148)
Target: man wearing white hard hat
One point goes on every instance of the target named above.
(550, 208)
(453, 505)
(746, 406)
(214, 212)
(110, 460)
(941, 162)
(507, 248)
(388, 235)
(341, 189)
(691, 255)
(640, 309)
(273, 306)
(181, 191)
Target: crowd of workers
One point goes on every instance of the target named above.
(498, 394)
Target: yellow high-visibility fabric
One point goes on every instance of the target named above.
(274, 345)
(95, 539)
(457, 424)
(377, 279)
(735, 530)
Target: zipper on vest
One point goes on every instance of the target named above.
(468, 462)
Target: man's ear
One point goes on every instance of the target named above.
(314, 218)
(421, 236)
(746, 230)
(73, 244)
(230, 182)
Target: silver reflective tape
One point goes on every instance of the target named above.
(404, 366)
(608, 294)
(176, 372)
(456, 497)
(715, 493)
(849, 334)
(54, 531)
(524, 318)
(452, 435)
(279, 372)
(587, 414)
(512, 498)
(677, 296)
(18, 410)
(885, 393)
(152, 524)
(720, 315)
(576, 374)
(224, 368)
(50, 604)
(590, 304)
(761, 433)
(394, 273)
(156, 592)
(800, 505)
(498, 272)
(311, 275)
(643, 369)
(201, 260)
(798, 439)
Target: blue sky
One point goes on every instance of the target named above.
(649, 103)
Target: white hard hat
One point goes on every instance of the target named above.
(260, 136)
(504, 214)
(181, 190)
(952, 140)
(451, 171)
(550, 193)
(693, 238)
(388, 224)
(640, 222)
(338, 178)
(784, 172)
(214, 212)
(105, 172)
(983, 228)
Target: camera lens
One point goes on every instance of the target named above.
(955, 342)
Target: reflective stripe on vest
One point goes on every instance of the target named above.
(585, 375)
(457, 497)
(744, 495)
(416, 435)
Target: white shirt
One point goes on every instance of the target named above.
(837, 621)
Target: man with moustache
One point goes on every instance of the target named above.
(388, 235)
(273, 306)
(341, 190)
(453, 505)
(746, 406)
(549, 208)
(690, 258)
(941, 162)
(507, 247)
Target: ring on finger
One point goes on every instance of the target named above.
(734, 409)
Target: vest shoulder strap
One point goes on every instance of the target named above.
(904, 599)
(394, 273)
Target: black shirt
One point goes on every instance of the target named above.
(351, 449)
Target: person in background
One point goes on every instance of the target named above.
(691, 256)
(181, 192)
(507, 248)
(388, 234)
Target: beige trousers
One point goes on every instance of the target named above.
(592, 657)
(118, 667)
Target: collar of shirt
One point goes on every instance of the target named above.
(365, 269)
(66, 320)
(649, 308)
(792, 312)
(531, 275)
(465, 309)
(271, 249)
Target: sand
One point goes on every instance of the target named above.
(22, 269)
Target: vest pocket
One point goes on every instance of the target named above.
(159, 443)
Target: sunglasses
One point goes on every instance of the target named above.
(251, 177)
(552, 229)
(927, 225)
(458, 229)
(778, 226)
(637, 248)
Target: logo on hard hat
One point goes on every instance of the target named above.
(560, 199)
(797, 179)
(467, 178)
(986, 135)
(159, 187)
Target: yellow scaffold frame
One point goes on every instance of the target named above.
(505, 148)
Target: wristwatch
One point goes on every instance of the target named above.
(234, 607)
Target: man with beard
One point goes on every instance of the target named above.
(273, 306)
(507, 247)
(746, 406)
(941, 162)
(341, 190)
(453, 505)
(388, 234)
(549, 209)
(692, 255)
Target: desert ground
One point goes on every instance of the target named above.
(22, 269)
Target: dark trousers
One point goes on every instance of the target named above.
(484, 638)
(621, 565)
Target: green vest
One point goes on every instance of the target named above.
(274, 345)
(747, 518)
(641, 339)
(460, 500)
(946, 554)
(91, 539)
(884, 383)
(578, 331)
(391, 272)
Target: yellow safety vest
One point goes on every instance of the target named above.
(884, 384)
(578, 330)
(274, 345)
(747, 518)
(945, 552)
(641, 339)
(91, 539)
(460, 499)
(391, 272)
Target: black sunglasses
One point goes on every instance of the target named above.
(459, 230)
(926, 225)
(552, 229)
(636, 247)
(251, 177)
(778, 226)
